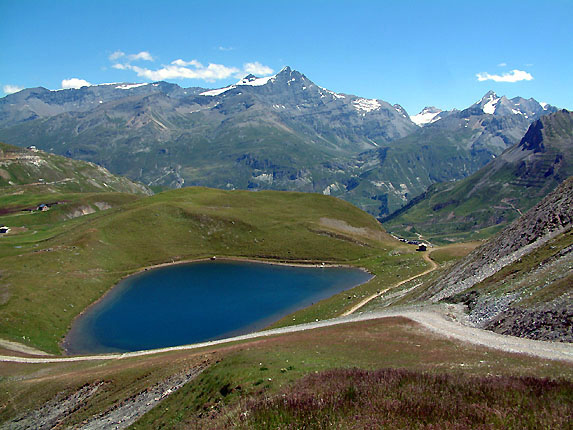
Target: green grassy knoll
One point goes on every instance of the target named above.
(29, 227)
(50, 276)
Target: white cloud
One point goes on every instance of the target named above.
(182, 63)
(180, 69)
(116, 55)
(257, 68)
(225, 49)
(11, 89)
(74, 83)
(143, 56)
(502, 65)
(513, 76)
(175, 70)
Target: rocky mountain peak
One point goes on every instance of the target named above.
(533, 139)
(488, 96)
(289, 75)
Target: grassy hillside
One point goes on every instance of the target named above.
(46, 173)
(52, 269)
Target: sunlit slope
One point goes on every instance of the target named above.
(50, 275)
(46, 173)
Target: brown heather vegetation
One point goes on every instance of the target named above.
(405, 399)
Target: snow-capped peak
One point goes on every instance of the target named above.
(428, 115)
(490, 94)
(544, 105)
(252, 80)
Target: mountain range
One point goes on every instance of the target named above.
(281, 132)
(498, 193)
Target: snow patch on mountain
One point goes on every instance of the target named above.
(129, 86)
(428, 115)
(250, 80)
(331, 93)
(489, 107)
(253, 81)
(218, 91)
(366, 105)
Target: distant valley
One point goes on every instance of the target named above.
(501, 191)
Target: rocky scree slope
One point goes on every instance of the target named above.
(520, 282)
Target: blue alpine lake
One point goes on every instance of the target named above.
(195, 302)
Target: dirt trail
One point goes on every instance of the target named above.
(362, 303)
(432, 318)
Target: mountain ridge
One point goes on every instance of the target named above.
(280, 132)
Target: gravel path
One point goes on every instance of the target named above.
(361, 304)
(432, 318)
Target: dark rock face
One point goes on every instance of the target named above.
(546, 324)
(533, 139)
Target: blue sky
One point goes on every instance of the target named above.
(414, 53)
